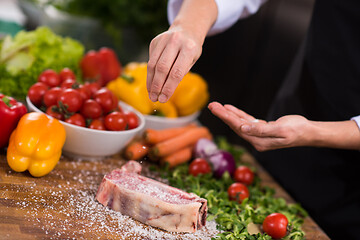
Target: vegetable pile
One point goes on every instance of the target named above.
(190, 96)
(237, 217)
(25, 56)
(84, 105)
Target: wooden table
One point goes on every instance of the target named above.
(61, 205)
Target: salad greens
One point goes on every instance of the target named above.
(232, 218)
(24, 56)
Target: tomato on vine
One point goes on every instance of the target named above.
(131, 119)
(76, 119)
(71, 99)
(50, 78)
(115, 121)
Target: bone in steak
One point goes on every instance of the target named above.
(151, 202)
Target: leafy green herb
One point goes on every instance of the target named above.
(232, 218)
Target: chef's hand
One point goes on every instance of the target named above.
(287, 131)
(171, 56)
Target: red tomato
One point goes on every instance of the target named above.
(84, 92)
(275, 225)
(115, 121)
(199, 166)
(51, 111)
(65, 74)
(68, 83)
(106, 99)
(91, 109)
(97, 124)
(132, 120)
(244, 175)
(93, 87)
(51, 96)
(238, 192)
(76, 119)
(36, 93)
(50, 78)
(71, 99)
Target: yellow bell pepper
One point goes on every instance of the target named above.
(164, 109)
(128, 89)
(36, 144)
(191, 94)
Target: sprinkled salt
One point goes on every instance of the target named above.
(63, 206)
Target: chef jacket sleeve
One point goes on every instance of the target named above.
(357, 120)
(229, 12)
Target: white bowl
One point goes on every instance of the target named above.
(156, 122)
(90, 144)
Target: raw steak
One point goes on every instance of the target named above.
(151, 202)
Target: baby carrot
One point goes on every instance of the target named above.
(136, 150)
(178, 157)
(153, 136)
(176, 143)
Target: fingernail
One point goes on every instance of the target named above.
(162, 98)
(255, 120)
(245, 128)
(153, 97)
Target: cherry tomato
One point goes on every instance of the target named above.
(36, 93)
(93, 87)
(275, 225)
(115, 121)
(68, 83)
(65, 74)
(244, 175)
(132, 120)
(76, 119)
(106, 99)
(238, 192)
(91, 109)
(51, 96)
(71, 99)
(84, 92)
(51, 111)
(199, 166)
(50, 78)
(97, 124)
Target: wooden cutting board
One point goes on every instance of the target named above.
(62, 205)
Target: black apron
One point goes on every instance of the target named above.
(323, 85)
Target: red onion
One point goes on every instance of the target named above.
(204, 148)
(222, 161)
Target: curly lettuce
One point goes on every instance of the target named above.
(24, 56)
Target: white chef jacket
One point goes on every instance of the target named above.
(229, 12)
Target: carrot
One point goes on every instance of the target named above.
(176, 143)
(136, 150)
(178, 157)
(153, 136)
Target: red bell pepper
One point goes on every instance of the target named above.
(10, 113)
(102, 66)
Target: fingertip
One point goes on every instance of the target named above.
(153, 97)
(245, 128)
(163, 98)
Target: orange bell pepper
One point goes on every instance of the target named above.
(36, 144)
